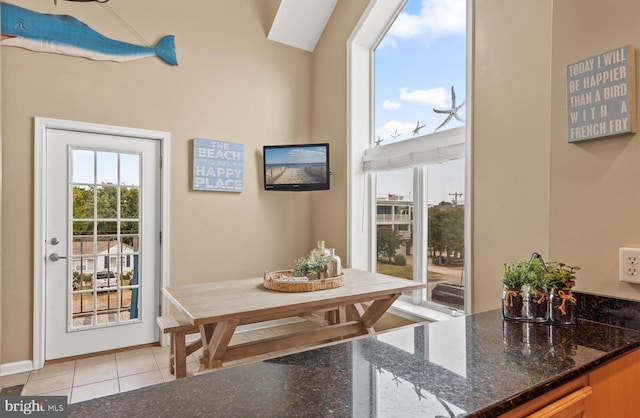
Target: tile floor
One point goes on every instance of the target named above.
(94, 377)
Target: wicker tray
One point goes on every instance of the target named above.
(272, 281)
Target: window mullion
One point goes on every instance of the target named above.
(419, 231)
(370, 205)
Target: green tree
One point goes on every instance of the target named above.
(446, 229)
(388, 242)
(435, 230)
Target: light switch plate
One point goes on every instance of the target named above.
(629, 262)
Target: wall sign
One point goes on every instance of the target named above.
(601, 95)
(218, 165)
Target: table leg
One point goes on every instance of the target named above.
(180, 354)
(372, 314)
(206, 332)
(341, 315)
(218, 342)
(357, 312)
(376, 310)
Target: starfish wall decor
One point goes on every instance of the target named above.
(416, 131)
(451, 113)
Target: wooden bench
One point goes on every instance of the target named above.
(178, 327)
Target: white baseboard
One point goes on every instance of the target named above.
(16, 367)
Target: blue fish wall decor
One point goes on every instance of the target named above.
(62, 34)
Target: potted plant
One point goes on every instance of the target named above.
(536, 298)
(560, 279)
(312, 267)
(513, 278)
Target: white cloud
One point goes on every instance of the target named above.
(391, 105)
(436, 19)
(394, 127)
(437, 97)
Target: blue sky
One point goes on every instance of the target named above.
(296, 155)
(422, 56)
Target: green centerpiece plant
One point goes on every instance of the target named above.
(560, 278)
(513, 279)
(537, 297)
(313, 266)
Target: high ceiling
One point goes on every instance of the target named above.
(300, 23)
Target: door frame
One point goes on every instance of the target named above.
(41, 125)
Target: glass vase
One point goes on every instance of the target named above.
(537, 306)
(563, 307)
(321, 249)
(334, 264)
(512, 303)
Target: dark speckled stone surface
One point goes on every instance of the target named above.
(477, 365)
(620, 312)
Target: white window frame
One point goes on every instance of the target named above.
(361, 212)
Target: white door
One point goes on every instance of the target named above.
(102, 241)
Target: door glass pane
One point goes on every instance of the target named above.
(107, 202)
(130, 242)
(104, 247)
(107, 168)
(394, 223)
(108, 228)
(83, 310)
(130, 169)
(83, 246)
(83, 228)
(129, 227)
(445, 241)
(83, 202)
(83, 166)
(129, 202)
(82, 267)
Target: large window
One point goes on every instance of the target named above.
(411, 166)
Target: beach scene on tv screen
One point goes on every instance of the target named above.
(296, 165)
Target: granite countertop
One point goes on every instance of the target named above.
(476, 365)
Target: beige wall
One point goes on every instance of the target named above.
(511, 123)
(594, 198)
(533, 191)
(329, 123)
(231, 84)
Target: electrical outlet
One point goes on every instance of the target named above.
(629, 260)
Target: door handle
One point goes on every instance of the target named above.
(55, 257)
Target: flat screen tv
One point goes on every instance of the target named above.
(299, 167)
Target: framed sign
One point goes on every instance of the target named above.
(218, 166)
(601, 95)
